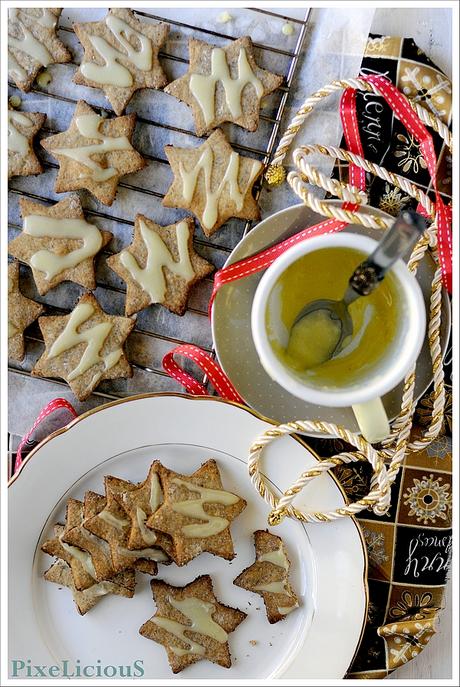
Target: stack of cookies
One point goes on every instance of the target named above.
(167, 518)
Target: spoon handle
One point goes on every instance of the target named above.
(402, 236)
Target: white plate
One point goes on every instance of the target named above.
(329, 562)
(236, 352)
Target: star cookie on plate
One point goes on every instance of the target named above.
(160, 265)
(22, 127)
(84, 347)
(140, 501)
(32, 43)
(121, 585)
(224, 85)
(58, 243)
(94, 153)
(121, 55)
(105, 518)
(196, 513)
(213, 181)
(191, 623)
(269, 576)
(22, 312)
(79, 561)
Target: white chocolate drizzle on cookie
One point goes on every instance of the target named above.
(113, 72)
(151, 278)
(203, 87)
(193, 508)
(112, 519)
(28, 44)
(156, 498)
(148, 535)
(51, 263)
(82, 556)
(88, 126)
(151, 554)
(278, 587)
(205, 163)
(17, 142)
(200, 613)
(94, 337)
(277, 557)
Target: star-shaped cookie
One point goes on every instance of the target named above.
(32, 43)
(58, 243)
(79, 561)
(196, 513)
(22, 127)
(224, 85)
(94, 153)
(105, 518)
(121, 55)
(121, 585)
(22, 312)
(139, 502)
(269, 576)
(160, 265)
(213, 181)
(191, 623)
(84, 347)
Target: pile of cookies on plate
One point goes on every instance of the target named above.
(211, 181)
(169, 518)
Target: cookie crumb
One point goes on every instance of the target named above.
(15, 101)
(287, 29)
(44, 78)
(253, 642)
(224, 17)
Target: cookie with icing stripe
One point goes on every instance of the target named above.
(121, 55)
(105, 518)
(22, 312)
(121, 585)
(58, 243)
(160, 265)
(213, 181)
(84, 347)
(224, 85)
(191, 623)
(197, 512)
(33, 43)
(94, 153)
(79, 561)
(22, 127)
(269, 576)
(139, 502)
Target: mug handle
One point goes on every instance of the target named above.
(372, 420)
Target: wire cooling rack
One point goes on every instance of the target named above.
(157, 333)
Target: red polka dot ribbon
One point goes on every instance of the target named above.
(53, 416)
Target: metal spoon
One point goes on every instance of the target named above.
(404, 234)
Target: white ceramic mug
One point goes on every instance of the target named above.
(365, 394)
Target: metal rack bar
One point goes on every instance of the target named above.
(265, 153)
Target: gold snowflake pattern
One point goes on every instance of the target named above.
(425, 410)
(432, 89)
(375, 542)
(355, 484)
(439, 447)
(378, 44)
(405, 641)
(413, 607)
(393, 200)
(428, 499)
(409, 153)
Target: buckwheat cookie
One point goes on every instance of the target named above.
(32, 43)
(58, 243)
(213, 181)
(22, 127)
(84, 347)
(105, 518)
(196, 513)
(22, 312)
(224, 85)
(191, 624)
(94, 153)
(121, 585)
(160, 265)
(121, 56)
(79, 561)
(269, 576)
(140, 501)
